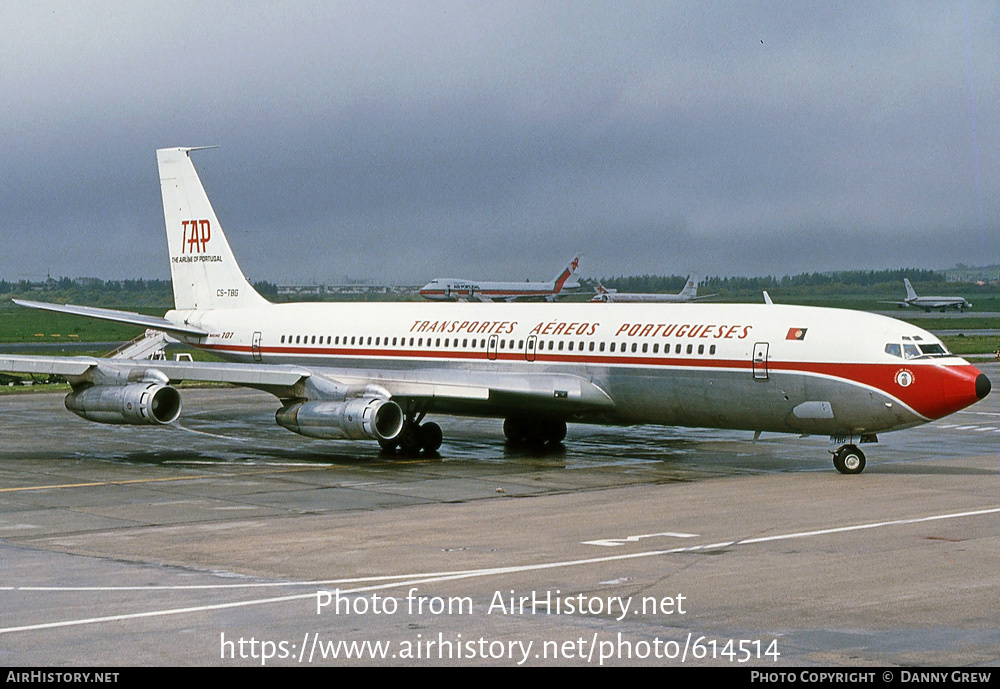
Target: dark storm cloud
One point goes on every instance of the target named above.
(409, 140)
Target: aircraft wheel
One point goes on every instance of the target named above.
(515, 429)
(556, 431)
(409, 439)
(849, 460)
(431, 437)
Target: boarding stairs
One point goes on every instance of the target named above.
(149, 345)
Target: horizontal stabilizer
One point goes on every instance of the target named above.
(153, 322)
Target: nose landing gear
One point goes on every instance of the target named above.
(848, 459)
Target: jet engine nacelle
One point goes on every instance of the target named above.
(354, 419)
(136, 404)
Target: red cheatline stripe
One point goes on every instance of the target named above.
(926, 398)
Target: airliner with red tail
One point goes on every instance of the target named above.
(460, 289)
(355, 371)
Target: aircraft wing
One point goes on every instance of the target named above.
(897, 303)
(87, 369)
(444, 390)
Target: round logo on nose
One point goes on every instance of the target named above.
(904, 378)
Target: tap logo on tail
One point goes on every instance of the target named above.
(196, 235)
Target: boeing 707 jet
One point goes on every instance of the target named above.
(689, 293)
(377, 370)
(461, 289)
(928, 303)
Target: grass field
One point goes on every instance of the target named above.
(18, 324)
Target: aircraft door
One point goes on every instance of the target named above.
(255, 347)
(760, 361)
(491, 347)
(529, 347)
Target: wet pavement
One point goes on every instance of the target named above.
(131, 546)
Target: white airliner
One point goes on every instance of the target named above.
(928, 303)
(689, 293)
(375, 370)
(459, 289)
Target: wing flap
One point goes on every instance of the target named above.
(47, 365)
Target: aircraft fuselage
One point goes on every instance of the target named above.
(754, 367)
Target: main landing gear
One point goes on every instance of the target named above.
(415, 437)
(535, 432)
(848, 459)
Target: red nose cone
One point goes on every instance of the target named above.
(961, 386)
(983, 386)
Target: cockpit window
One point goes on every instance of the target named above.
(933, 349)
(914, 351)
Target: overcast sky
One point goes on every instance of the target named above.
(408, 140)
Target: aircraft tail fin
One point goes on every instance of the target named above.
(204, 271)
(567, 278)
(910, 292)
(603, 293)
(690, 287)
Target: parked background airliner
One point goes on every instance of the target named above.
(375, 370)
(460, 289)
(689, 293)
(928, 303)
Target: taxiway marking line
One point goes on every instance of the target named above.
(411, 580)
(91, 484)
